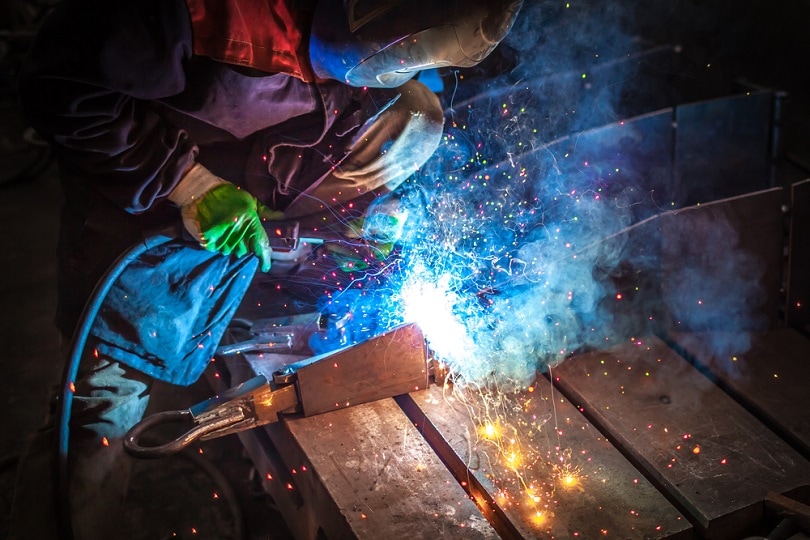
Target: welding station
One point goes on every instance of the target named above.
(585, 315)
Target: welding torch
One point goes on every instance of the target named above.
(393, 363)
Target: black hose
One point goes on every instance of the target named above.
(225, 487)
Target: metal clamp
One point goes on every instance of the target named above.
(253, 403)
(199, 431)
(387, 365)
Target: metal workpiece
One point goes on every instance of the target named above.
(388, 365)
(391, 364)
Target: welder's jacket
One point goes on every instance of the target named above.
(131, 91)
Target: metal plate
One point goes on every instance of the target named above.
(385, 366)
(769, 373)
(721, 263)
(371, 465)
(798, 279)
(547, 107)
(628, 163)
(712, 457)
(362, 472)
(545, 470)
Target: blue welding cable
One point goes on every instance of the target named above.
(77, 345)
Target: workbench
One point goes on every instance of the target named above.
(649, 448)
(646, 447)
(656, 436)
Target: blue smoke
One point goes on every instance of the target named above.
(517, 248)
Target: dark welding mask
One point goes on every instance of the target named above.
(384, 43)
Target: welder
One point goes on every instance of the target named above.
(217, 114)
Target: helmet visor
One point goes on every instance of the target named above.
(397, 63)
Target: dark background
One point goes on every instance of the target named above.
(722, 42)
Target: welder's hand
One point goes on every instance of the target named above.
(383, 222)
(372, 238)
(222, 217)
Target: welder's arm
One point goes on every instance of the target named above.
(223, 217)
(91, 85)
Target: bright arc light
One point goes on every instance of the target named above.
(430, 305)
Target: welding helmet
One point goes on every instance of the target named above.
(384, 43)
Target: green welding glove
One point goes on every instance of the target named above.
(222, 217)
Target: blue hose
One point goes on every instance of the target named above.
(77, 346)
(78, 343)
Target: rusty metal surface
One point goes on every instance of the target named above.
(385, 366)
(713, 457)
(797, 313)
(545, 467)
(770, 373)
(371, 464)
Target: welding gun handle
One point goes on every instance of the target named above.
(133, 445)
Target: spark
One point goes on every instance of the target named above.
(495, 265)
(569, 480)
(490, 431)
(538, 518)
